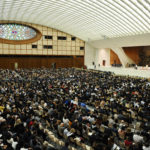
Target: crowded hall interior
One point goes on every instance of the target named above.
(75, 75)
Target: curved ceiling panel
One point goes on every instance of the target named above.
(86, 19)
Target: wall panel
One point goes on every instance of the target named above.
(114, 58)
(8, 61)
(133, 53)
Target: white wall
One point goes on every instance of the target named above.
(96, 55)
(102, 54)
(136, 40)
(89, 56)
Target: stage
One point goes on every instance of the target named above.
(139, 72)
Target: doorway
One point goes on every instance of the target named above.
(104, 62)
(16, 65)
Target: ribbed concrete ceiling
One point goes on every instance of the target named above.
(86, 19)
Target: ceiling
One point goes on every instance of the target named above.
(86, 19)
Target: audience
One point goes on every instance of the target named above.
(93, 108)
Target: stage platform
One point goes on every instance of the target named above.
(139, 72)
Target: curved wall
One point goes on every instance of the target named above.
(57, 47)
(114, 59)
(133, 53)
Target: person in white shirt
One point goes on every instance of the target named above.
(111, 121)
(137, 138)
(67, 132)
(146, 148)
(115, 147)
(65, 121)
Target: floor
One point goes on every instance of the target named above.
(139, 72)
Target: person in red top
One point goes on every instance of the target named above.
(128, 142)
(31, 123)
